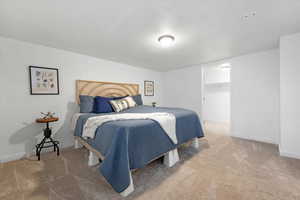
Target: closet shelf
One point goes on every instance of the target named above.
(217, 83)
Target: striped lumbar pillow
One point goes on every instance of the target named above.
(123, 104)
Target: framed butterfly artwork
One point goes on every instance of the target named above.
(43, 81)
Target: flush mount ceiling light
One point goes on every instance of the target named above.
(166, 40)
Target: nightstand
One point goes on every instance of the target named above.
(47, 136)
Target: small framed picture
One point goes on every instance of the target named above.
(149, 88)
(43, 81)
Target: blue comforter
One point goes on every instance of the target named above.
(131, 144)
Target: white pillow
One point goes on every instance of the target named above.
(123, 104)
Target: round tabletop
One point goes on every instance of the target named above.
(47, 120)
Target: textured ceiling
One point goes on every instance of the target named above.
(127, 31)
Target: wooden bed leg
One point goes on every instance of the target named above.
(77, 144)
(171, 158)
(93, 159)
(195, 143)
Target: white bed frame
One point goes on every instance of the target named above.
(108, 89)
(170, 158)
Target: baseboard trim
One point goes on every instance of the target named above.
(288, 154)
(12, 157)
(264, 140)
(20, 155)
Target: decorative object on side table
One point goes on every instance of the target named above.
(48, 115)
(43, 81)
(149, 88)
(48, 118)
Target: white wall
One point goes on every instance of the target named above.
(182, 88)
(214, 74)
(216, 94)
(18, 109)
(254, 94)
(290, 95)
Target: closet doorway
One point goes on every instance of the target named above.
(216, 98)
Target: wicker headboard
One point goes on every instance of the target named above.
(105, 89)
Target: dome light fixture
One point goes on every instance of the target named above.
(166, 40)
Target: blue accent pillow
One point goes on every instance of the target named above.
(138, 99)
(102, 104)
(86, 104)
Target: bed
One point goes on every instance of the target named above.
(126, 145)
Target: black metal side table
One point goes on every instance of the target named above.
(47, 141)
